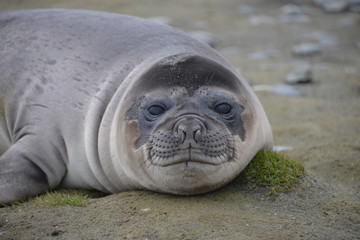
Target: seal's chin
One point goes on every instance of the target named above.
(188, 166)
(187, 172)
(188, 157)
(188, 178)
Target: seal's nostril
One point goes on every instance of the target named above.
(181, 133)
(183, 136)
(197, 135)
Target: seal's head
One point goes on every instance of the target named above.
(192, 128)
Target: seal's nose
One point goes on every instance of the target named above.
(189, 129)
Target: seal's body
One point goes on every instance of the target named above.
(109, 102)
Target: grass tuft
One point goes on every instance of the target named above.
(274, 171)
(72, 197)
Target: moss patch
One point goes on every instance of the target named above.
(274, 171)
(70, 197)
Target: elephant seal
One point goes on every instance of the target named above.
(109, 102)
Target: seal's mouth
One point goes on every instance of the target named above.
(187, 156)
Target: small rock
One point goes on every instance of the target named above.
(319, 2)
(246, 9)
(328, 41)
(306, 49)
(257, 20)
(323, 38)
(286, 91)
(145, 210)
(200, 24)
(301, 74)
(290, 9)
(205, 37)
(263, 55)
(354, 5)
(293, 14)
(280, 89)
(257, 56)
(161, 20)
(279, 148)
(335, 6)
(263, 88)
(294, 19)
(332, 6)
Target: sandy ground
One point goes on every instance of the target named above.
(321, 125)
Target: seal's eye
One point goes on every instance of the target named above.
(156, 110)
(223, 108)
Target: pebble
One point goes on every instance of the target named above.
(280, 89)
(294, 19)
(354, 5)
(262, 19)
(319, 2)
(323, 38)
(161, 20)
(263, 55)
(290, 9)
(286, 91)
(257, 56)
(293, 14)
(279, 148)
(246, 9)
(205, 37)
(328, 41)
(145, 210)
(200, 24)
(307, 49)
(302, 74)
(336, 6)
(298, 1)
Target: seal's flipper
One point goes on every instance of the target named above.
(20, 177)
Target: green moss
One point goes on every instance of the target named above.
(63, 197)
(274, 171)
